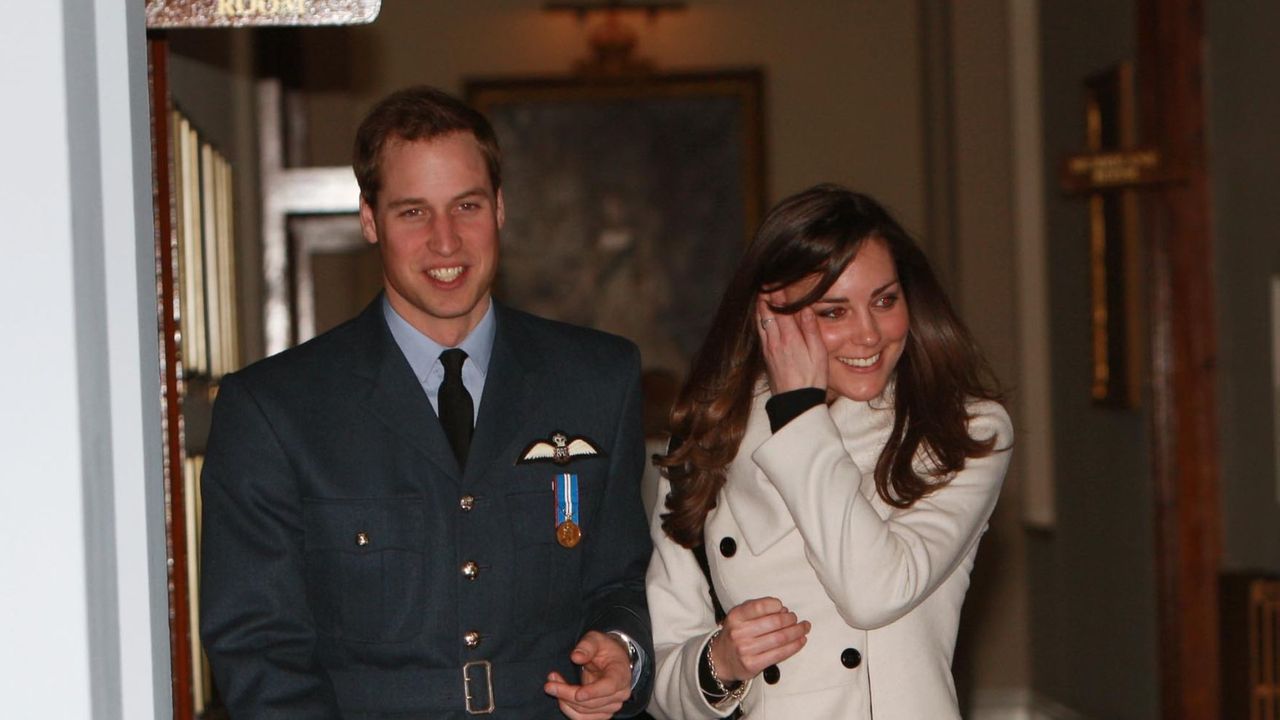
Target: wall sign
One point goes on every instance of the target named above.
(259, 13)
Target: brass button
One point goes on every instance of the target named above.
(471, 639)
(466, 503)
(362, 539)
(470, 570)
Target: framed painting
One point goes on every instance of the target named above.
(628, 199)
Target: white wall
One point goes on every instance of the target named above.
(81, 516)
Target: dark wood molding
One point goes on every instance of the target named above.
(167, 325)
(1184, 360)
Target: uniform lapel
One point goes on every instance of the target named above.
(395, 397)
(508, 387)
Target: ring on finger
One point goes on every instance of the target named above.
(764, 321)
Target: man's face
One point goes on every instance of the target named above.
(436, 227)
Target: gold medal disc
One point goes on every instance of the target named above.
(568, 534)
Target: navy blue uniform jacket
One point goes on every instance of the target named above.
(336, 524)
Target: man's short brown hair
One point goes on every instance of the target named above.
(418, 113)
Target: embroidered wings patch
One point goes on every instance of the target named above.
(560, 449)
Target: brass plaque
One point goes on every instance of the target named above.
(259, 13)
(1101, 171)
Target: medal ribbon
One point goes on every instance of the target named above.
(566, 499)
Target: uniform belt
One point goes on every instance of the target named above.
(487, 685)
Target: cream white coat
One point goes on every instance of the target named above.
(809, 528)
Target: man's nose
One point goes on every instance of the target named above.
(443, 238)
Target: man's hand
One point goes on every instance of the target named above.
(606, 679)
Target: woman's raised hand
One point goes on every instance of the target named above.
(756, 634)
(793, 350)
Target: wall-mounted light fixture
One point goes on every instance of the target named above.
(611, 41)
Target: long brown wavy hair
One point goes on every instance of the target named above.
(818, 232)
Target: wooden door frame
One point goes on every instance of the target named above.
(1185, 464)
(175, 519)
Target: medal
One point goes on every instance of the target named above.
(568, 533)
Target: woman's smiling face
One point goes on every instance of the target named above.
(863, 321)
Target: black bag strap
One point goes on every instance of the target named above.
(700, 552)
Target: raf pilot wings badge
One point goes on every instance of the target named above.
(561, 450)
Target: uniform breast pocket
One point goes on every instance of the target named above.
(366, 568)
(540, 565)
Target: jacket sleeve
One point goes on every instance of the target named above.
(614, 566)
(876, 567)
(257, 629)
(683, 620)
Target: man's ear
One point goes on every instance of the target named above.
(502, 210)
(368, 225)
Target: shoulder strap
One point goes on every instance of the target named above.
(700, 552)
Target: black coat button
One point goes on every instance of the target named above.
(772, 674)
(851, 658)
(728, 547)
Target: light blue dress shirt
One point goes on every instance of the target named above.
(423, 355)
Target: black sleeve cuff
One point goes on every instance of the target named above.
(790, 405)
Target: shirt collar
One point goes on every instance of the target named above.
(422, 352)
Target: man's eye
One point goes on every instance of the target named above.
(468, 206)
(411, 212)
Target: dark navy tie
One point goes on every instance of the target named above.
(456, 409)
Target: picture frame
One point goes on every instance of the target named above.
(1275, 375)
(628, 198)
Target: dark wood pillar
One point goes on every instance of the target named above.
(1184, 359)
(166, 277)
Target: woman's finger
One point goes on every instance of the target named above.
(784, 637)
(755, 644)
(761, 625)
(767, 320)
(757, 663)
(788, 331)
(754, 608)
(807, 321)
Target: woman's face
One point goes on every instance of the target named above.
(863, 320)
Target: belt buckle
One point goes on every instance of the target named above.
(488, 682)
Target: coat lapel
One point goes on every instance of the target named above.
(508, 387)
(755, 504)
(395, 396)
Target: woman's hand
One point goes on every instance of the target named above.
(793, 350)
(756, 634)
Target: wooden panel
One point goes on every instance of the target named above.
(1184, 360)
(1250, 647)
(170, 359)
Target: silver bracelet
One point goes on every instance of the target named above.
(727, 695)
